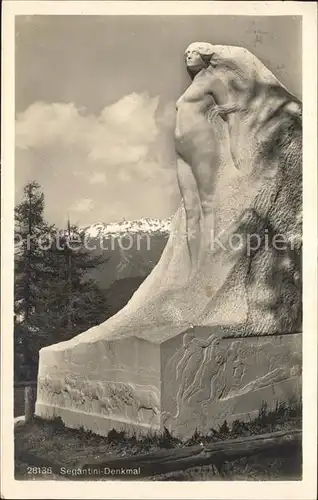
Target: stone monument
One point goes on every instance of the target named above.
(214, 329)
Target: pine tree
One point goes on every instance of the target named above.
(79, 300)
(30, 293)
(54, 297)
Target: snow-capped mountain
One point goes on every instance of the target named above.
(145, 225)
(133, 248)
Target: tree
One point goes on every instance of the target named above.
(54, 297)
(81, 303)
(30, 272)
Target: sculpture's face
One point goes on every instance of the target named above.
(193, 59)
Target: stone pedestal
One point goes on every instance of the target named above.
(193, 380)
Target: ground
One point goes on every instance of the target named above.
(52, 442)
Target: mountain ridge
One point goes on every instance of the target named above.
(132, 247)
(146, 225)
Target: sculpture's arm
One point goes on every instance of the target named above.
(222, 110)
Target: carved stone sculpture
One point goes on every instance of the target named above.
(175, 355)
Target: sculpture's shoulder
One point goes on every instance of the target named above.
(197, 89)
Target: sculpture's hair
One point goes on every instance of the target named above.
(205, 51)
(203, 48)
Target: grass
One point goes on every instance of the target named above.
(51, 440)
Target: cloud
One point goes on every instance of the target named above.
(98, 178)
(43, 125)
(124, 176)
(123, 158)
(123, 133)
(83, 205)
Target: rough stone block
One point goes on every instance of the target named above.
(194, 380)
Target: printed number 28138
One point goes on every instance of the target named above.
(39, 470)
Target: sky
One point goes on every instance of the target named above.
(95, 104)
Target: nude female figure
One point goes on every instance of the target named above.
(196, 142)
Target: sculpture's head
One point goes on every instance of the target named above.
(227, 62)
(197, 56)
